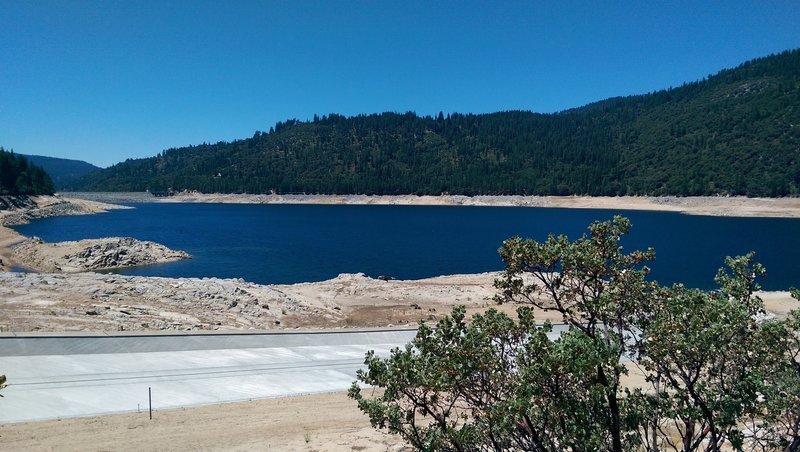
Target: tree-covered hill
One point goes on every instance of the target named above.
(737, 132)
(62, 171)
(19, 177)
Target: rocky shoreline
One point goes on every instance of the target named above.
(92, 254)
(59, 302)
(15, 210)
(64, 302)
(17, 251)
(701, 205)
(733, 206)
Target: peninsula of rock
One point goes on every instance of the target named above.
(92, 254)
(18, 251)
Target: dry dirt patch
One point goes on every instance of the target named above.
(321, 422)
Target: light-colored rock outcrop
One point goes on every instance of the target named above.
(92, 254)
(22, 209)
(75, 256)
(107, 302)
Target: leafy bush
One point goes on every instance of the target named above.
(718, 373)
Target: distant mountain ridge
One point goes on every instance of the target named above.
(63, 171)
(734, 133)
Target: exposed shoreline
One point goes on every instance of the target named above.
(77, 256)
(701, 205)
(96, 302)
(31, 253)
(35, 207)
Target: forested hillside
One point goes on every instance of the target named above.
(737, 132)
(62, 171)
(19, 177)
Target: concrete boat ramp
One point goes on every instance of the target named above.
(62, 376)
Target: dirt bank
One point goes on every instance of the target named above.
(702, 205)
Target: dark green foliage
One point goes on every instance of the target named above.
(713, 359)
(18, 177)
(492, 384)
(716, 376)
(736, 133)
(63, 172)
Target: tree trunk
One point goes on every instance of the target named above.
(654, 446)
(613, 408)
(613, 405)
(795, 444)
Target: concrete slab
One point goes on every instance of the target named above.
(59, 377)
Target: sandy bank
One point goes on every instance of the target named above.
(714, 206)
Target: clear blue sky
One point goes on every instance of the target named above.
(107, 80)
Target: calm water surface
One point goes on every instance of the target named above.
(295, 243)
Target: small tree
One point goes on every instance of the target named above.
(596, 288)
(493, 383)
(501, 384)
(723, 373)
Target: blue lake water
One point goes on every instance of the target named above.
(296, 243)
